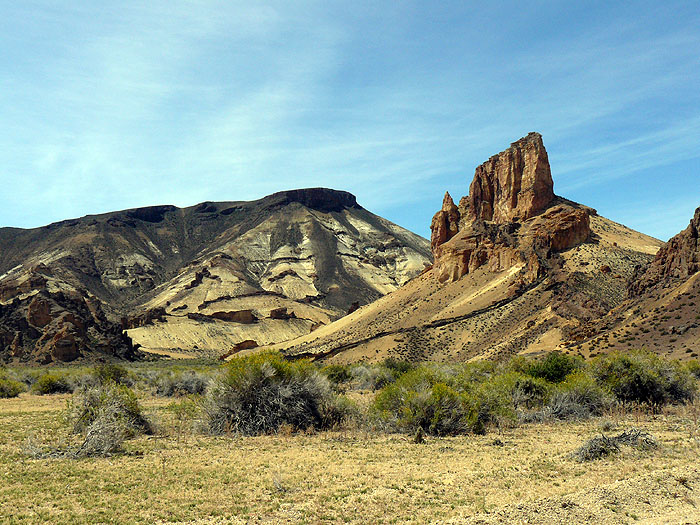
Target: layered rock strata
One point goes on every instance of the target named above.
(511, 216)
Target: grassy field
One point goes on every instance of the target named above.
(518, 475)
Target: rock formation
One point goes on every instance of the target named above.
(512, 186)
(516, 270)
(200, 277)
(60, 327)
(511, 216)
(677, 260)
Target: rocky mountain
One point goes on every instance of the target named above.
(197, 280)
(662, 312)
(516, 269)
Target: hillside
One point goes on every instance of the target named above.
(517, 270)
(200, 279)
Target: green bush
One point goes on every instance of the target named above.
(52, 383)
(644, 377)
(421, 399)
(337, 374)
(554, 367)
(492, 402)
(110, 372)
(397, 366)
(452, 400)
(259, 393)
(107, 404)
(9, 386)
(693, 367)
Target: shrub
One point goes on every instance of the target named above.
(442, 401)
(603, 446)
(475, 372)
(645, 377)
(578, 397)
(9, 386)
(259, 393)
(337, 374)
(529, 392)
(596, 448)
(104, 436)
(105, 405)
(492, 402)
(52, 383)
(112, 373)
(693, 367)
(554, 367)
(421, 399)
(371, 377)
(398, 367)
(184, 412)
(182, 384)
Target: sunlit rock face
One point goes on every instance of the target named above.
(202, 278)
(678, 260)
(510, 217)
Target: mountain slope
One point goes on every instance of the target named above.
(662, 312)
(517, 269)
(207, 277)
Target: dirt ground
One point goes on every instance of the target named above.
(516, 475)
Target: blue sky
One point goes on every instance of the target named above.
(113, 105)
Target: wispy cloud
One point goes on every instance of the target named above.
(105, 106)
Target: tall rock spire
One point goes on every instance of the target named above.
(514, 184)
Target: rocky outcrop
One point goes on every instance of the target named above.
(144, 319)
(321, 199)
(445, 223)
(282, 313)
(512, 186)
(238, 347)
(562, 227)
(678, 259)
(510, 217)
(236, 316)
(59, 327)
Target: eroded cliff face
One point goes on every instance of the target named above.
(678, 260)
(513, 185)
(510, 217)
(197, 280)
(47, 325)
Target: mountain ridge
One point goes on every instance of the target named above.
(157, 271)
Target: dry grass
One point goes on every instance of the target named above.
(343, 477)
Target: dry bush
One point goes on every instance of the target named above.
(107, 404)
(603, 446)
(173, 384)
(259, 393)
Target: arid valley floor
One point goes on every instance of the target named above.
(515, 475)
